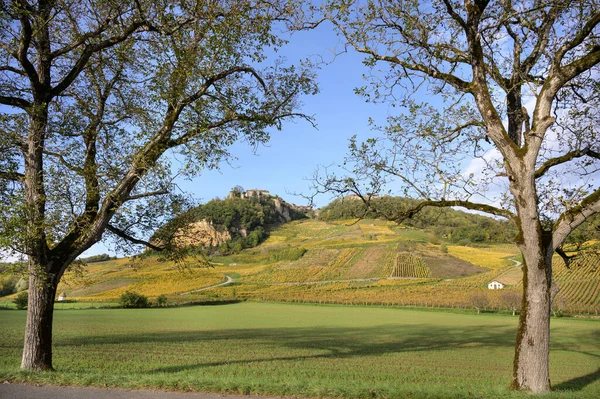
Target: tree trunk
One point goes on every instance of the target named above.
(37, 350)
(531, 362)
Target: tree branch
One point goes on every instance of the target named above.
(63, 161)
(15, 102)
(559, 75)
(432, 72)
(13, 176)
(566, 258)
(125, 236)
(449, 203)
(574, 217)
(565, 158)
(146, 195)
(542, 40)
(21, 53)
(88, 52)
(455, 15)
(8, 68)
(213, 79)
(578, 39)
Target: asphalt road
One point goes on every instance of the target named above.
(21, 391)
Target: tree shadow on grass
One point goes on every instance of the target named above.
(578, 383)
(311, 343)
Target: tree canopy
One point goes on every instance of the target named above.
(509, 125)
(105, 102)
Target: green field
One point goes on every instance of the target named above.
(305, 350)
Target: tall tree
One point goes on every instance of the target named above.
(510, 127)
(98, 97)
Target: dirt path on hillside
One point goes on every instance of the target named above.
(227, 281)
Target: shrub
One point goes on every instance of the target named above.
(21, 300)
(7, 285)
(161, 300)
(22, 284)
(236, 246)
(464, 242)
(133, 300)
(289, 254)
(444, 248)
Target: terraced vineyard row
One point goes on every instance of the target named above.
(582, 267)
(318, 264)
(579, 283)
(408, 265)
(417, 292)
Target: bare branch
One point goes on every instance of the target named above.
(449, 203)
(146, 195)
(430, 71)
(542, 40)
(15, 102)
(13, 176)
(132, 239)
(574, 217)
(566, 258)
(8, 68)
(565, 158)
(578, 39)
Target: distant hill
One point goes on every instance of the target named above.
(96, 258)
(242, 220)
(454, 225)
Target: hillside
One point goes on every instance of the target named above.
(453, 225)
(369, 262)
(237, 222)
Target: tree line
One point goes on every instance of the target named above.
(450, 224)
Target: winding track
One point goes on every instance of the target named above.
(228, 280)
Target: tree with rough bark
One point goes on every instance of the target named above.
(104, 102)
(509, 126)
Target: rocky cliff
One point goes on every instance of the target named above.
(241, 221)
(201, 233)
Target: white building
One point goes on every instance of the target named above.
(62, 297)
(495, 285)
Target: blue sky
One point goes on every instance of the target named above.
(294, 153)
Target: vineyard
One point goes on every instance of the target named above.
(579, 283)
(348, 262)
(408, 265)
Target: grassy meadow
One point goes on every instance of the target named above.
(303, 350)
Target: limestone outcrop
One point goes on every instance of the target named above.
(200, 233)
